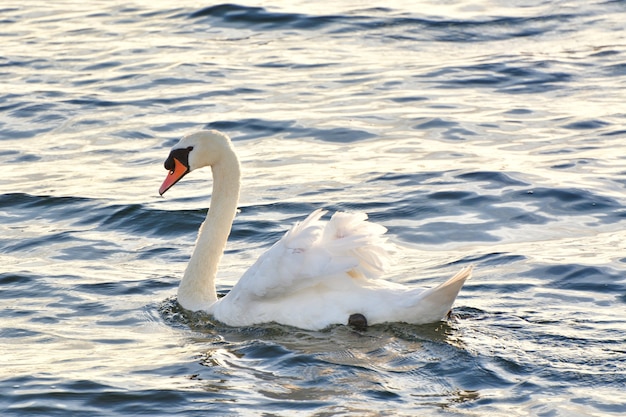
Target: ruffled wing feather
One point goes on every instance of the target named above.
(315, 252)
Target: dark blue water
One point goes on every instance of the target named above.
(481, 133)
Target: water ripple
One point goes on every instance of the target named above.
(487, 134)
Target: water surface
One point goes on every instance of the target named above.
(481, 132)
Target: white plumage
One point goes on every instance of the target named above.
(320, 273)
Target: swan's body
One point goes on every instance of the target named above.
(320, 273)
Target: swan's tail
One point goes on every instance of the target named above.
(441, 298)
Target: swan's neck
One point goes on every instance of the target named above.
(197, 288)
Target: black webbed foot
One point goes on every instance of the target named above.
(357, 321)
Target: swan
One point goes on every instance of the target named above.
(320, 273)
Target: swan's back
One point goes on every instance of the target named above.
(322, 272)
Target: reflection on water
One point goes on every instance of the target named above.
(328, 367)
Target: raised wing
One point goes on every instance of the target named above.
(315, 252)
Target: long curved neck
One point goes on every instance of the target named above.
(197, 288)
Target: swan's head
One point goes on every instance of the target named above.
(193, 151)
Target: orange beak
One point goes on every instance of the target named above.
(175, 175)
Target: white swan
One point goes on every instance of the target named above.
(320, 273)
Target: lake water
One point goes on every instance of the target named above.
(480, 132)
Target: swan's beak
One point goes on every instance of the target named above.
(177, 171)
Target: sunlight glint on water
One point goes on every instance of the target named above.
(483, 133)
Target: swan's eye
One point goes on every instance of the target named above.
(182, 155)
(169, 164)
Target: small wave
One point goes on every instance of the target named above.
(373, 19)
(571, 201)
(257, 16)
(586, 125)
(48, 395)
(581, 278)
(289, 129)
(507, 75)
(79, 211)
(493, 179)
